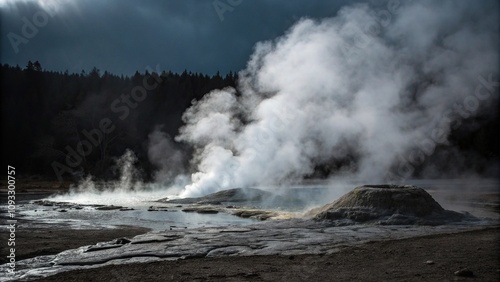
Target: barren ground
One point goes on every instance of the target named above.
(396, 260)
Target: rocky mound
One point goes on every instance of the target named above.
(226, 196)
(386, 204)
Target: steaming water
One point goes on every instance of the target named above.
(479, 197)
(112, 197)
(89, 217)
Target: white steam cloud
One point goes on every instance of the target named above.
(369, 83)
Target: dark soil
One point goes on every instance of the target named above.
(430, 258)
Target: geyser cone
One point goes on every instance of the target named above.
(386, 204)
(403, 199)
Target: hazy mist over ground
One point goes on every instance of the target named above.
(376, 89)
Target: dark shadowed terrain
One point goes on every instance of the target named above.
(430, 258)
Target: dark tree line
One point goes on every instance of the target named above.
(43, 112)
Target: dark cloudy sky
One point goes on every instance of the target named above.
(123, 36)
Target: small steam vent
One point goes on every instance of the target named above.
(386, 204)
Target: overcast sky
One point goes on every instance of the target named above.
(123, 36)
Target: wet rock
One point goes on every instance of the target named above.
(153, 208)
(228, 251)
(203, 210)
(122, 241)
(256, 214)
(108, 208)
(208, 211)
(464, 273)
(189, 210)
(101, 247)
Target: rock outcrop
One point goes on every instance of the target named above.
(386, 204)
(236, 195)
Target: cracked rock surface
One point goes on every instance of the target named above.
(287, 237)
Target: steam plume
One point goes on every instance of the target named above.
(358, 84)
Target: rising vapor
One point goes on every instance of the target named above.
(367, 89)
